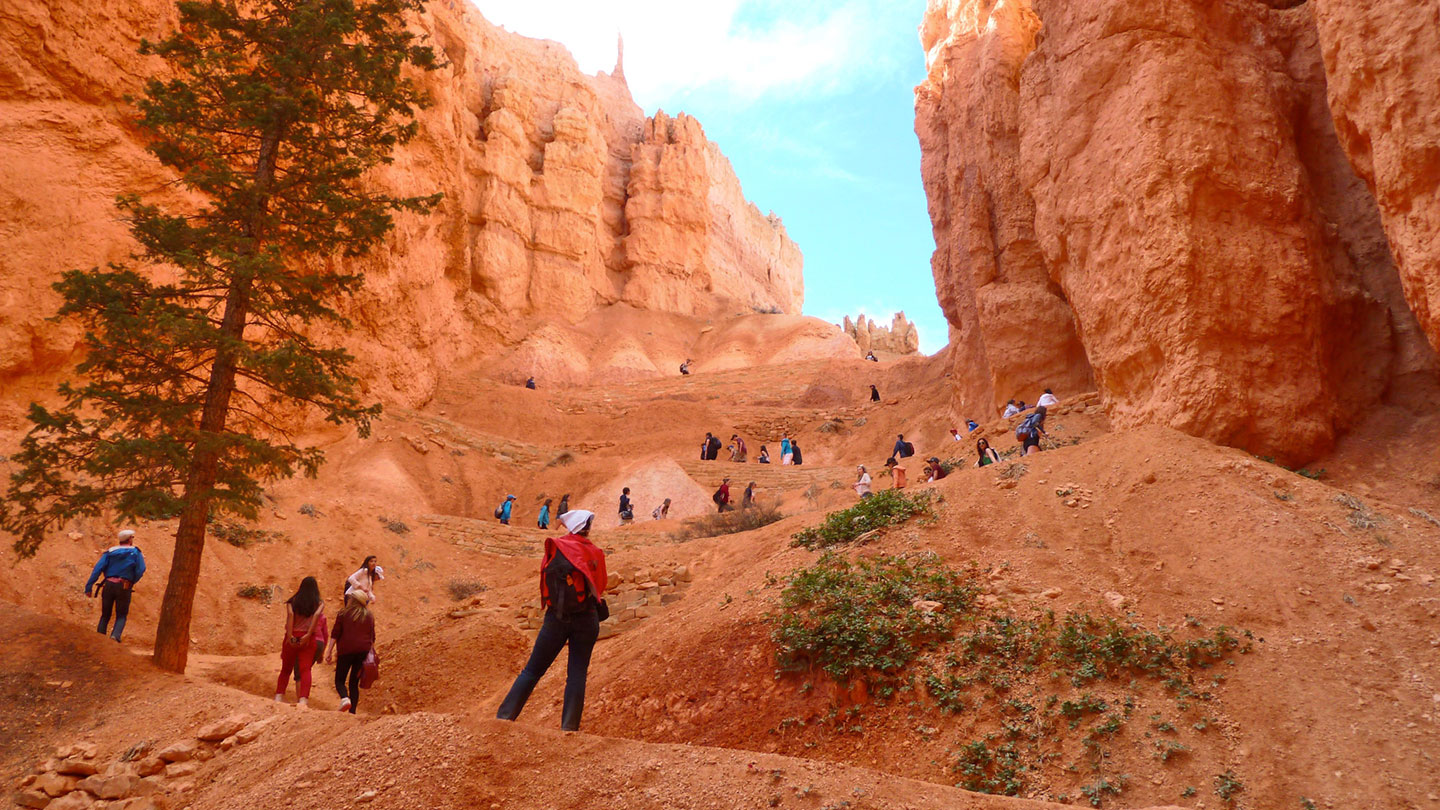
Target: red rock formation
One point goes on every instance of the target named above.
(1173, 168)
(543, 219)
(1382, 58)
(900, 337)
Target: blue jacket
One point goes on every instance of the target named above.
(784, 447)
(125, 562)
(505, 511)
(543, 519)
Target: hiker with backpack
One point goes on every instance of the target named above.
(1030, 430)
(530, 383)
(685, 369)
(740, 452)
(304, 611)
(542, 521)
(365, 577)
(987, 453)
(119, 568)
(764, 457)
(627, 510)
(722, 496)
(662, 511)
(352, 645)
(897, 474)
(502, 512)
(902, 448)
(572, 587)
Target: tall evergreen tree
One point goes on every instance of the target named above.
(273, 112)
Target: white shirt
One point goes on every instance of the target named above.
(863, 485)
(362, 580)
(1047, 400)
(1011, 410)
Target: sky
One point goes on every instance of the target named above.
(812, 101)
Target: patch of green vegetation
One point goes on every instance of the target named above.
(860, 619)
(242, 536)
(1227, 787)
(885, 508)
(999, 770)
(1103, 787)
(262, 593)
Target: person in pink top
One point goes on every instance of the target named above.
(304, 613)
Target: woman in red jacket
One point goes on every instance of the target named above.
(304, 615)
(572, 585)
(352, 639)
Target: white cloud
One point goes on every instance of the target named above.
(745, 49)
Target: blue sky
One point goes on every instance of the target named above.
(812, 102)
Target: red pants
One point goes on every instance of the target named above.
(290, 656)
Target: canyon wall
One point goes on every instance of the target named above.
(1153, 193)
(561, 196)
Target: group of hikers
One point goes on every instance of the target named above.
(349, 644)
(790, 453)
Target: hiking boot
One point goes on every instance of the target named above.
(345, 704)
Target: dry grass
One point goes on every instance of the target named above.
(722, 523)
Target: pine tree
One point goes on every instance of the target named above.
(272, 114)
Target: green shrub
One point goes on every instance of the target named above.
(859, 618)
(715, 524)
(885, 508)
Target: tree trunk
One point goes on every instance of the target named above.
(172, 636)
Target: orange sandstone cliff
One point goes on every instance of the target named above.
(561, 196)
(1154, 194)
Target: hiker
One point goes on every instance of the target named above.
(350, 644)
(1022, 407)
(1048, 399)
(1030, 431)
(364, 578)
(714, 447)
(902, 448)
(710, 448)
(543, 520)
(987, 453)
(748, 500)
(764, 455)
(530, 383)
(572, 581)
(785, 452)
(871, 357)
(662, 511)
(627, 512)
(862, 482)
(739, 452)
(564, 505)
(795, 457)
(722, 496)
(121, 566)
(955, 434)
(685, 368)
(970, 427)
(1010, 409)
(874, 394)
(502, 512)
(303, 613)
(935, 470)
(897, 473)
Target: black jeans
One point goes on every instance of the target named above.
(347, 676)
(114, 596)
(580, 632)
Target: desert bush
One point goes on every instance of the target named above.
(1425, 516)
(394, 524)
(263, 593)
(462, 589)
(1360, 515)
(884, 508)
(240, 535)
(860, 618)
(562, 459)
(716, 524)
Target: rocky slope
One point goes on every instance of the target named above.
(561, 196)
(1154, 194)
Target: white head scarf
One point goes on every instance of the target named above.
(575, 519)
(126, 534)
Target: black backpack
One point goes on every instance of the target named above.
(908, 450)
(500, 512)
(567, 588)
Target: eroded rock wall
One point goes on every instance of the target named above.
(561, 197)
(900, 337)
(1168, 174)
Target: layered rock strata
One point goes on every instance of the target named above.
(1156, 194)
(561, 196)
